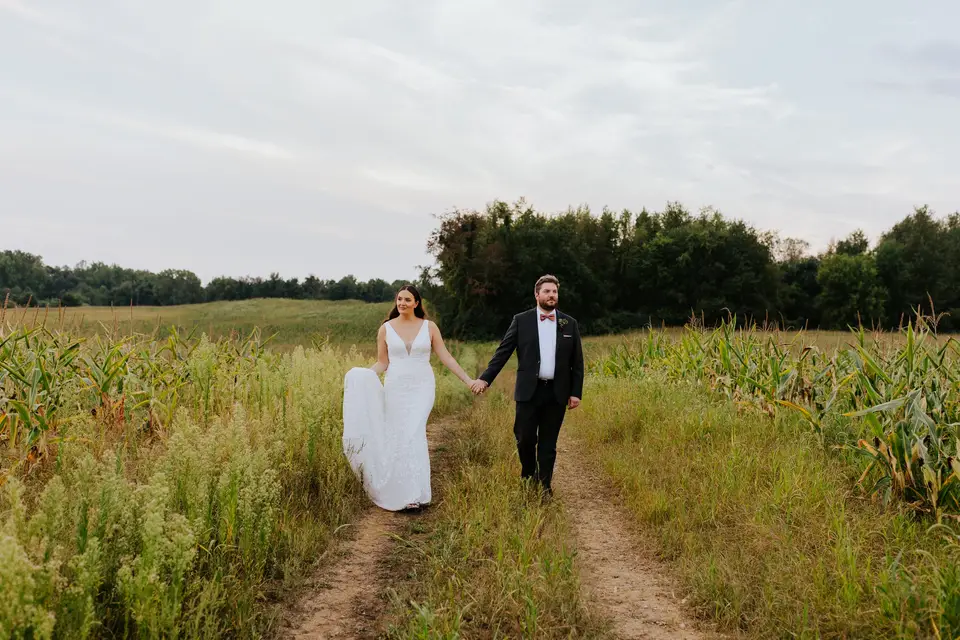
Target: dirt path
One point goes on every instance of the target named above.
(344, 598)
(629, 585)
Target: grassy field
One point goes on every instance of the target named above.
(490, 560)
(766, 527)
(810, 493)
(157, 483)
(289, 322)
(168, 487)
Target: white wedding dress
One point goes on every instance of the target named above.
(385, 426)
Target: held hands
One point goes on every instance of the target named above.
(479, 386)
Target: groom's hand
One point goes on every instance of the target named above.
(478, 386)
(573, 403)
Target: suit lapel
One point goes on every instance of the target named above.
(556, 349)
(535, 327)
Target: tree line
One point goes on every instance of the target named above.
(27, 280)
(627, 270)
(618, 270)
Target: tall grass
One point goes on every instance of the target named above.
(489, 560)
(894, 402)
(740, 452)
(760, 520)
(158, 488)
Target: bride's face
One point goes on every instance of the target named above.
(406, 303)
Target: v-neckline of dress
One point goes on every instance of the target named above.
(409, 348)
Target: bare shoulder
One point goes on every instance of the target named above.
(433, 331)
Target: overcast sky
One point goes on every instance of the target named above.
(305, 136)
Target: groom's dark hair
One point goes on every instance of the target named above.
(544, 280)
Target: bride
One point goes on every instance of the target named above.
(385, 427)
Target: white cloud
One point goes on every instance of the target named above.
(47, 18)
(195, 136)
(349, 125)
(204, 138)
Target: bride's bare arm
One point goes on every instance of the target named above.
(445, 356)
(383, 360)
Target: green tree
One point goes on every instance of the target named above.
(856, 244)
(347, 288)
(704, 266)
(615, 271)
(951, 288)
(799, 290)
(178, 286)
(23, 276)
(912, 259)
(851, 290)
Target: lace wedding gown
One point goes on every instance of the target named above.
(385, 426)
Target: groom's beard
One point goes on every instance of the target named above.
(548, 305)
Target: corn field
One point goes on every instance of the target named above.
(894, 400)
(159, 488)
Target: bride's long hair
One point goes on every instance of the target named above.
(419, 311)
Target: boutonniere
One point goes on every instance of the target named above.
(562, 322)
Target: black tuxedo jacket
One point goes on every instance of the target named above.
(523, 335)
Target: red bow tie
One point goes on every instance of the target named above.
(544, 316)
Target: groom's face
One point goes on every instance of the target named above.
(548, 296)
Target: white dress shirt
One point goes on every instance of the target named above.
(548, 344)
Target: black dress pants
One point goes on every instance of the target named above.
(536, 427)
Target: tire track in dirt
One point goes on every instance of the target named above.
(346, 596)
(626, 582)
(341, 601)
(621, 579)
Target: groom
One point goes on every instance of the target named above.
(549, 378)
